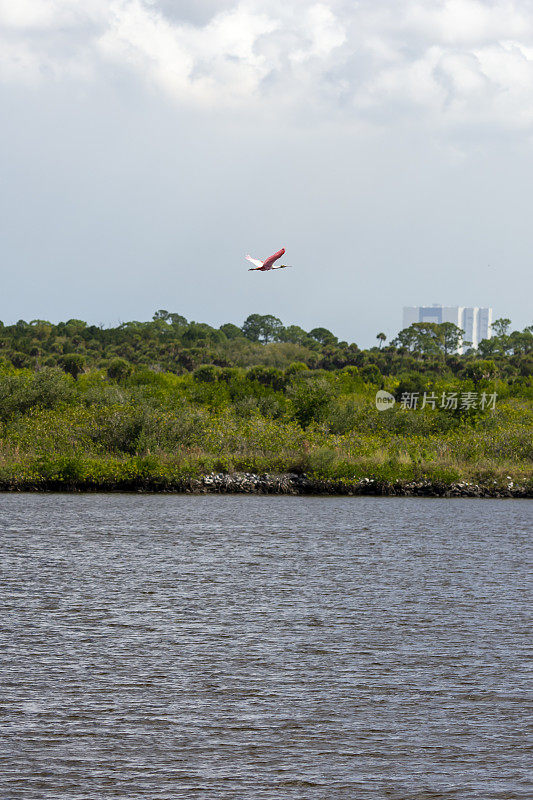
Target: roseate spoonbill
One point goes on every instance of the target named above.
(264, 266)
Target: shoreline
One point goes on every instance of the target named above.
(273, 484)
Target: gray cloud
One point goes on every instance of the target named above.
(447, 64)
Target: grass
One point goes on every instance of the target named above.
(158, 430)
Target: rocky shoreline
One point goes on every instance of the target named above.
(278, 484)
(293, 484)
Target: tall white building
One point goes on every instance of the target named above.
(476, 322)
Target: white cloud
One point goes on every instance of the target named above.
(321, 32)
(446, 62)
(32, 16)
(465, 22)
(204, 65)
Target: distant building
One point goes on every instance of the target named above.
(476, 322)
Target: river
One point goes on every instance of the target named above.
(171, 646)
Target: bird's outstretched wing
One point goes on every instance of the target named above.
(270, 260)
(254, 261)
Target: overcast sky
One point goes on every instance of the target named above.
(147, 145)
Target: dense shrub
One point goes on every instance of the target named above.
(119, 369)
(169, 398)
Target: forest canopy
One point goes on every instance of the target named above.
(171, 343)
(146, 404)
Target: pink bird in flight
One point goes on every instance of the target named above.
(264, 266)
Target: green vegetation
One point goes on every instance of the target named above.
(148, 404)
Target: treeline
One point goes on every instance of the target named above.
(145, 404)
(171, 343)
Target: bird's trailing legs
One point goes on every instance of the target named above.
(261, 269)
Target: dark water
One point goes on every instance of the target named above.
(263, 647)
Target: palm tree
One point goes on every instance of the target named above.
(381, 337)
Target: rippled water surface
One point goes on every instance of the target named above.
(263, 647)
